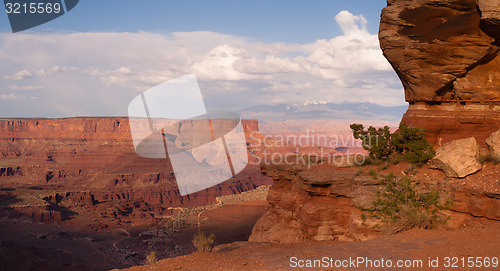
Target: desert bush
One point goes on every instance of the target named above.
(407, 143)
(489, 158)
(376, 141)
(203, 243)
(412, 144)
(400, 207)
(151, 258)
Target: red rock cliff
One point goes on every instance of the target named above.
(96, 155)
(446, 53)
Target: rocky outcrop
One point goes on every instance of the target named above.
(458, 158)
(446, 54)
(493, 143)
(320, 202)
(314, 204)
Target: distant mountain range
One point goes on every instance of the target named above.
(324, 110)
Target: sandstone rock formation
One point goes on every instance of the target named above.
(446, 53)
(458, 158)
(315, 205)
(320, 202)
(493, 143)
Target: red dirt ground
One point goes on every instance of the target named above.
(480, 240)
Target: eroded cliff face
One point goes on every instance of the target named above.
(446, 53)
(321, 202)
(315, 204)
(82, 161)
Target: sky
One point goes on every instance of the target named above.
(98, 57)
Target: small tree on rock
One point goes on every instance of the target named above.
(412, 144)
(376, 141)
(409, 142)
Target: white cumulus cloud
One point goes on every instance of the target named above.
(20, 75)
(100, 73)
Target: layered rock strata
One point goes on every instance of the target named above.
(92, 160)
(446, 54)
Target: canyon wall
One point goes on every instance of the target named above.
(85, 160)
(446, 53)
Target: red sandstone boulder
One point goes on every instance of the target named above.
(493, 143)
(458, 158)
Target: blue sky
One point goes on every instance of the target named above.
(95, 59)
(292, 21)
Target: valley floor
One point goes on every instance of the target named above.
(25, 245)
(481, 239)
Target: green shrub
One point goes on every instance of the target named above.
(412, 144)
(203, 243)
(407, 143)
(363, 218)
(376, 141)
(400, 207)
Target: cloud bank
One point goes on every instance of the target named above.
(75, 74)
